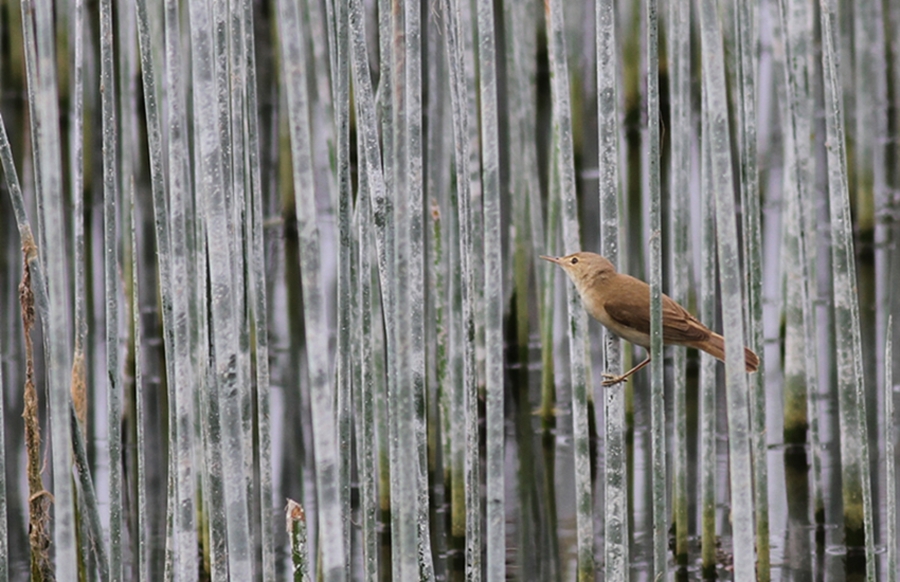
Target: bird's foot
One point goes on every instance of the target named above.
(613, 379)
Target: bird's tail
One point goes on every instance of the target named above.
(715, 346)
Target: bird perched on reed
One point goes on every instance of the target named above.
(622, 304)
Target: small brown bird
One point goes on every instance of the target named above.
(622, 304)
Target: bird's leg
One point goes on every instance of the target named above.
(612, 379)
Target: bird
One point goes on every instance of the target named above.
(622, 304)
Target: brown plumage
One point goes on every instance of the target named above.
(622, 304)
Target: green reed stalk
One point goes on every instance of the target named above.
(746, 64)
(679, 56)
(708, 436)
(340, 51)
(458, 98)
(48, 183)
(890, 478)
(438, 146)
(382, 211)
(615, 486)
(364, 393)
(325, 443)
(257, 297)
(142, 549)
(564, 162)
(856, 484)
(110, 284)
(657, 385)
(4, 529)
(713, 63)
(801, 365)
(404, 497)
(415, 190)
(296, 526)
(493, 293)
(519, 183)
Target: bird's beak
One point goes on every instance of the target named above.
(551, 259)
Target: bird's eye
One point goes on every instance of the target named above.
(574, 260)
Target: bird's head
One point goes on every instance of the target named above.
(584, 269)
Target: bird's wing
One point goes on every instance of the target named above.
(679, 326)
(629, 310)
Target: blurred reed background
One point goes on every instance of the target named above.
(289, 249)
